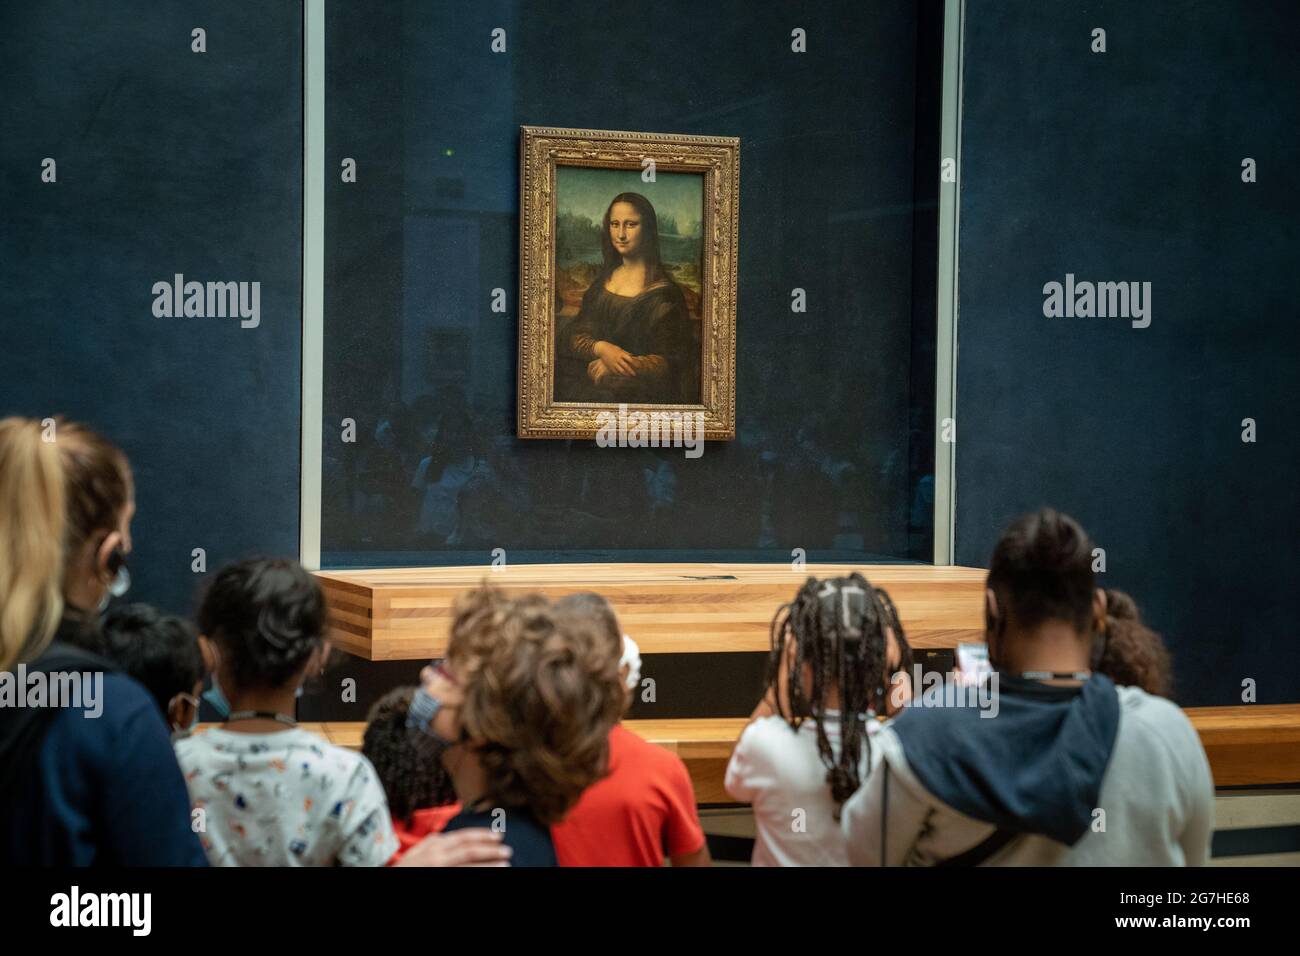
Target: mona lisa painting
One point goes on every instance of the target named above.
(628, 278)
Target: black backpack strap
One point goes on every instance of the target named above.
(973, 857)
(983, 850)
(884, 809)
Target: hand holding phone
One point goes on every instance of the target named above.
(972, 663)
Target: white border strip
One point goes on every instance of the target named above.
(945, 398)
(313, 279)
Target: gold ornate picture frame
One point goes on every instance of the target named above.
(570, 297)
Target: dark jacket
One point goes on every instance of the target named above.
(93, 783)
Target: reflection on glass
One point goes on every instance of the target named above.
(834, 384)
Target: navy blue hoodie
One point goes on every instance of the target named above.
(1036, 767)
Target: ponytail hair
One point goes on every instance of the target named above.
(33, 519)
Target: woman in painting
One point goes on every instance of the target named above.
(632, 340)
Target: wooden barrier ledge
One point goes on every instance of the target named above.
(405, 613)
(1250, 744)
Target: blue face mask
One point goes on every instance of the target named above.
(419, 716)
(217, 699)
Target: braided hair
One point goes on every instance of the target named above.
(838, 627)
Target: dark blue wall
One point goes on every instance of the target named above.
(168, 161)
(1127, 166)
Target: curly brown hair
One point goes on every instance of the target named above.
(541, 694)
(1133, 654)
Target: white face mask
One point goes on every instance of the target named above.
(118, 587)
(631, 659)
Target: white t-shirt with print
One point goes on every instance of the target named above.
(285, 799)
(780, 772)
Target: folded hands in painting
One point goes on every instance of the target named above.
(600, 374)
(615, 360)
(615, 366)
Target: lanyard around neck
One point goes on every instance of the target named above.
(261, 714)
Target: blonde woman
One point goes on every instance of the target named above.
(87, 772)
(31, 540)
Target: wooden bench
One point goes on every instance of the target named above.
(1253, 744)
(1257, 744)
(704, 745)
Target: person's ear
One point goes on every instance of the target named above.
(208, 651)
(893, 654)
(1098, 610)
(104, 555)
(315, 663)
(990, 612)
(898, 692)
(992, 627)
(181, 712)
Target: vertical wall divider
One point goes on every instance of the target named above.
(945, 399)
(313, 280)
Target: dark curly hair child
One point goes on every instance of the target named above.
(420, 795)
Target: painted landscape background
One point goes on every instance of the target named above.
(582, 196)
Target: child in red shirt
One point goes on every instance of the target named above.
(420, 796)
(643, 811)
